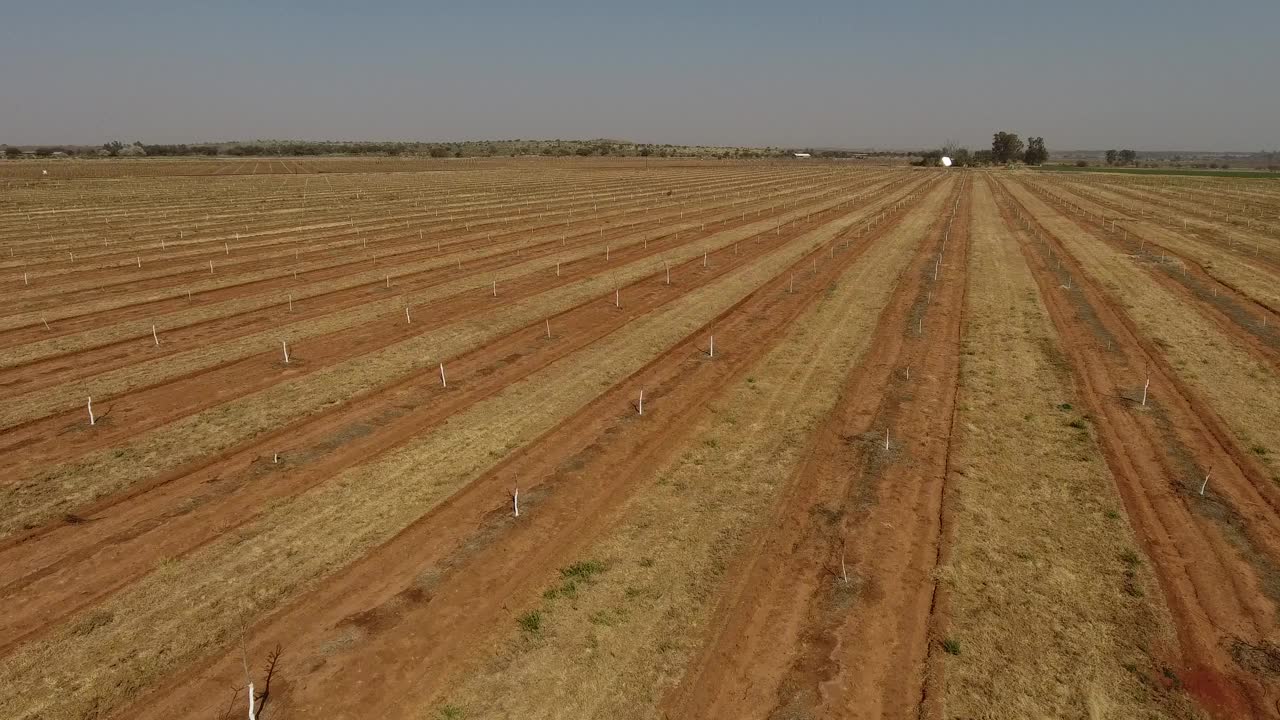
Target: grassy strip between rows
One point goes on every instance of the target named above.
(191, 606)
(104, 472)
(1053, 610)
(613, 648)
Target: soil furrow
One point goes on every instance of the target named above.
(778, 630)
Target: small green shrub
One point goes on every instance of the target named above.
(531, 621)
(583, 570)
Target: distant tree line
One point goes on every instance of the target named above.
(482, 148)
(1123, 158)
(1006, 148)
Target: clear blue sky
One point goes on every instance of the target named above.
(1155, 74)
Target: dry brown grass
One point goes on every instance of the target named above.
(1051, 601)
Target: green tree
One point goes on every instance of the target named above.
(113, 148)
(1127, 157)
(1036, 153)
(1006, 147)
(12, 152)
(1112, 156)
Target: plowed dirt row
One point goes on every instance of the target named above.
(786, 636)
(200, 212)
(1251, 244)
(1212, 213)
(207, 288)
(391, 221)
(1203, 547)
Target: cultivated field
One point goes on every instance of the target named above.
(787, 441)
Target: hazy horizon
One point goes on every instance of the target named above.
(1153, 76)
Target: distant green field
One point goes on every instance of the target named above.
(1164, 171)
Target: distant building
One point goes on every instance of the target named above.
(803, 155)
